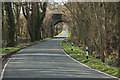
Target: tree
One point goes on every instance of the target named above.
(17, 9)
(119, 37)
(34, 13)
(11, 24)
(94, 25)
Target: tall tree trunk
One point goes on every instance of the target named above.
(34, 14)
(37, 22)
(40, 20)
(17, 9)
(119, 37)
(31, 29)
(11, 24)
(101, 30)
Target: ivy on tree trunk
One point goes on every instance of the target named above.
(11, 24)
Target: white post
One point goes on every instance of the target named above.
(72, 47)
(87, 52)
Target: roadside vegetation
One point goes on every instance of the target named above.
(30, 26)
(24, 22)
(9, 50)
(80, 55)
(96, 25)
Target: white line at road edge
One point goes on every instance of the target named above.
(86, 65)
(2, 73)
(3, 70)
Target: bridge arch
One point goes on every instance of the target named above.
(54, 20)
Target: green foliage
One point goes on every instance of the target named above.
(92, 62)
(9, 50)
(85, 61)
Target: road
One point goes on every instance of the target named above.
(47, 60)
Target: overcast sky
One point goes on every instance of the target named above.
(60, 0)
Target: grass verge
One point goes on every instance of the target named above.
(91, 62)
(9, 50)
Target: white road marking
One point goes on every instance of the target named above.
(86, 65)
(2, 73)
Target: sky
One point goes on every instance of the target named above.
(60, 0)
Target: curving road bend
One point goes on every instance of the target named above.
(47, 60)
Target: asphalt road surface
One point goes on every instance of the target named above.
(47, 60)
